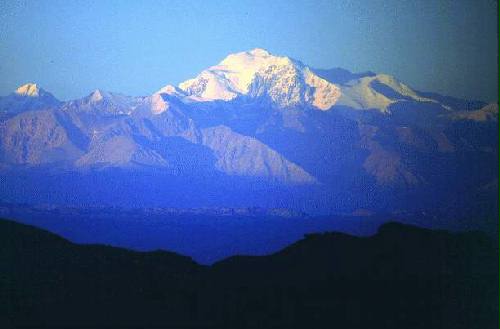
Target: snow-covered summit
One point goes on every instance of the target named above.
(101, 96)
(33, 90)
(378, 92)
(29, 90)
(287, 82)
(104, 102)
(257, 73)
(28, 97)
(98, 95)
(172, 91)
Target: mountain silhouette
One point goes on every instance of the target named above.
(402, 277)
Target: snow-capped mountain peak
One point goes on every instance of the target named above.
(257, 73)
(97, 95)
(29, 90)
(102, 96)
(104, 102)
(28, 97)
(286, 82)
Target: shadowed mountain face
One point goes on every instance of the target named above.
(402, 277)
(346, 141)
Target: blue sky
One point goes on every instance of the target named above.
(136, 47)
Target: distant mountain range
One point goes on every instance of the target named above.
(254, 130)
(401, 277)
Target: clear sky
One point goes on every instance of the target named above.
(136, 47)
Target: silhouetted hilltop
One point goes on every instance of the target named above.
(402, 277)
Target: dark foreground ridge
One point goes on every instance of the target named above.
(402, 277)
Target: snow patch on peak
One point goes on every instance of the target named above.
(399, 87)
(171, 90)
(104, 102)
(378, 92)
(26, 98)
(28, 90)
(97, 96)
(359, 94)
(211, 84)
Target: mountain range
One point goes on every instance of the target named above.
(256, 129)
